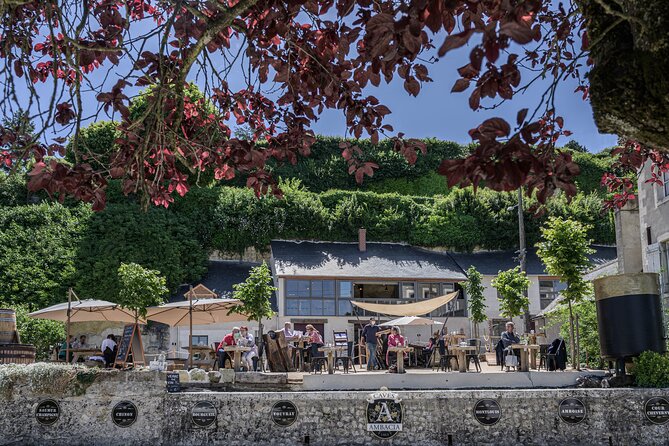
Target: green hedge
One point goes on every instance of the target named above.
(232, 219)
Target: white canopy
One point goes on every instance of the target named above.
(412, 320)
(87, 310)
(205, 311)
(412, 309)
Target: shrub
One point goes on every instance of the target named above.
(651, 369)
(44, 334)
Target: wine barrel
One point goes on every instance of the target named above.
(8, 326)
(629, 315)
(17, 354)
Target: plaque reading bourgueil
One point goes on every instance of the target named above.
(384, 414)
(487, 412)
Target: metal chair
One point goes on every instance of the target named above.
(341, 340)
(469, 357)
(444, 357)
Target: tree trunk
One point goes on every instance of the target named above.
(522, 256)
(261, 346)
(572, 343)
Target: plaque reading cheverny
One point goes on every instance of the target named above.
(572, 410)
(384, 414)
(47, 412)
(487, 412)
(203, 414)
(656, 410)
(124, 414)
(284, 413)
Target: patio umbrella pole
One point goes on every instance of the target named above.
(67, 338)
(190, 332)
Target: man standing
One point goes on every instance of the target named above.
(369, 338)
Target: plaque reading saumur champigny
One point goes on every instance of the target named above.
(284, 413)
(203, 414)
(124, 414)
(47, 412)
(384, 414)
(656, 410)
(487, 412)
(572, 410)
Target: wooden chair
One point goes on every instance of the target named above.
(341, 340)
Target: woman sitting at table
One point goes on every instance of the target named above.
(246, 340)
(431, 345)
(395, 339)
(315, 342)
(228, 340)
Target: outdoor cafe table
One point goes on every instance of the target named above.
(330, 352)
(525, 351)
(400, 356)
(205, 354)
(461, 351)
(85, 352)
(237, 358)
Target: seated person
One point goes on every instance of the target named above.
(395, 339)
(80, 343)
(431, 345)
(509, 338)
(246, 340)
(229, 339)
(109, 350)
(315, 342)
(290, 336)
(63, 349)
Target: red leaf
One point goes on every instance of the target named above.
(460, 85)
(455, 41)
(520, 118)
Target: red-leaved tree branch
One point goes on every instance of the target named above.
(298, 58)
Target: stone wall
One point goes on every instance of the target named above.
(615, 416)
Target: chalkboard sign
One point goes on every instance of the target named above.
(487, 412)
(130, 343)
(124, 414)
(656, 410)
(173, 383)
(203, 414)
(572, 410)
(47, 412)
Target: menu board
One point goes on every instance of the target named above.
(130, 343)
(173, 382)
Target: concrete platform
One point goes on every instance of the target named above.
(423, 379)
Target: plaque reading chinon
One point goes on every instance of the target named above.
(124, 414)
(47, 412)
(284, 413)
(203, 414)
(487, 412)
(572, 410)
(657, 410)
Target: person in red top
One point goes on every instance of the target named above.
(315, 342)
(395, 339)
(228, 339)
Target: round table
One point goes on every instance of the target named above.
(461, 351)
(330, 351)
(400, 350)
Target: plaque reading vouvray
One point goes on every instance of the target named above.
(124, 414)
(203, 414)
(284, 413)
(487, 412)
(47, 412)
(572, 410)
(656, 410)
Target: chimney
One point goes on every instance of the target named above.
(362, 240)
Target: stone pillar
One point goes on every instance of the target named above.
(628, 238)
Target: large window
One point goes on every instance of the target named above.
(548, 291)
(665, 185)
(316, 297)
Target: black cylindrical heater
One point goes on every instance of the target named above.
(629, 315)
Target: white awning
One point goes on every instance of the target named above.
(413, 309)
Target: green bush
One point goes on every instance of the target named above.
(651, 369)
(37, 251)
(157, 239)
(44, 334)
